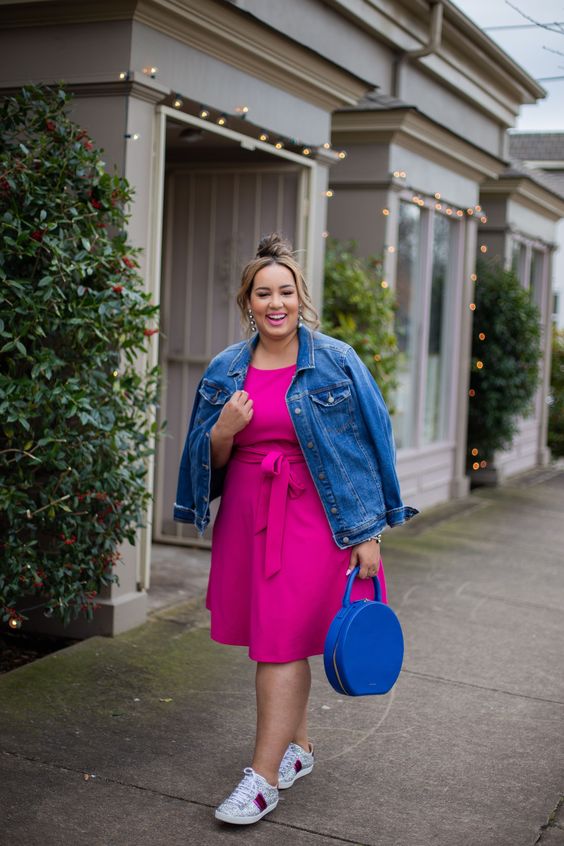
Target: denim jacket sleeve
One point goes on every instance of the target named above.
(379, 429)
(198, 482)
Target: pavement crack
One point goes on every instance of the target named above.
(552, 822)
(443, 680)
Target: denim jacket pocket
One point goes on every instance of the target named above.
(332, 406)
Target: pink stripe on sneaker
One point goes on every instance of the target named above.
(298, 765)
(260, 801)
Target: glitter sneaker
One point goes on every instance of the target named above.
(295, 764)
(252, 799)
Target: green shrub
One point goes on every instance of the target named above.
(359, 310)
(75, 402)
(556, 413)
(509, 352)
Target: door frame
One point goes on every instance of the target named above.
(306, 239)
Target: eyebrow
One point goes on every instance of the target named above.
(280, 287)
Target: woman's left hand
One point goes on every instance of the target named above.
(367, 556)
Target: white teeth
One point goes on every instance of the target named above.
(276, 316)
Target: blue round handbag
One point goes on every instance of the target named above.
(363, 650)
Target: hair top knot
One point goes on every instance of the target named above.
(274, 246)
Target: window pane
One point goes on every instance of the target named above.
(518, 260)
(405, 322)
(433, 424)
(536, 277)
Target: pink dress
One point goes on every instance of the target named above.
(277, 576)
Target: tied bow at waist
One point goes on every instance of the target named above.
(276, 486)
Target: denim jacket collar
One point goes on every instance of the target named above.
(306, 357)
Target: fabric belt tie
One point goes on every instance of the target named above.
(277, 485)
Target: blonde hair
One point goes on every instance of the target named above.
(273, 249)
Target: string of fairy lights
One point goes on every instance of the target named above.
(224, 119)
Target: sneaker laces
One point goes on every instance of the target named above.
(246, 789)
(288, 755)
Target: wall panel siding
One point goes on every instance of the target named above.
(214, 219)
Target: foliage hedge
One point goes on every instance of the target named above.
(360, 310)
(75, 400)
(556, 413)
(506, 348)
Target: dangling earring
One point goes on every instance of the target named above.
(300, 316)
(252, 322)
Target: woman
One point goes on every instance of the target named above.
(292, 430)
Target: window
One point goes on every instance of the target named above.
(537, 262)
(518, 260)
(435, 390)
(407, 286)
(425, 275)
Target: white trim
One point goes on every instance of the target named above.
(156, 195)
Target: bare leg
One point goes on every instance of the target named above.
(282, 694)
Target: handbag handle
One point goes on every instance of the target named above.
(353, 575)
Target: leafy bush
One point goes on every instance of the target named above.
(358, 309)
(505, 354)
(556, 413)
(75, 401)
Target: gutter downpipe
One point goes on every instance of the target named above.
(432, 46)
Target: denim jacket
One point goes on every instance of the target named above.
(342, 426)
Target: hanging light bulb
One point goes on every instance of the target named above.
(306, 151)
(342, 154)
(222, 120)
(204, 113)
(263, 136)
(471, 392)
(475, 451)
(385, 212)
(472, 306)
(178, 101)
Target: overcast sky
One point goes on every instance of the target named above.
(530, 47)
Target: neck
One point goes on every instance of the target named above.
(284, 351)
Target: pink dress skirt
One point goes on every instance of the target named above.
(277, 576)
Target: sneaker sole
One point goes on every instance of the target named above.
(219, 815)
(283, 785)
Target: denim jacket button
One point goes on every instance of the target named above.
(205, 466)
(345, 540)
(322, 476)
(298, 410)
(310, 444)
(333, 510)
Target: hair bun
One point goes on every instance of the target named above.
(274, 246)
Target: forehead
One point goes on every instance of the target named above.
(275, 274)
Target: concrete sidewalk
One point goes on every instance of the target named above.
(132, 741)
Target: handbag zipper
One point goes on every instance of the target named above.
(343, 688)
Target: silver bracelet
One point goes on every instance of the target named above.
(377, 538)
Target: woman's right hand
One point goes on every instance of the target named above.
(235, 415)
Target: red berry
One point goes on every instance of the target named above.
(50, 125)
(128, 262)
(117, 288)
(37, 235)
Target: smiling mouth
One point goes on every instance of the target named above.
(275, 318)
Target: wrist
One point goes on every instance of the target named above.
(219, 434)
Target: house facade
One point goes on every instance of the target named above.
(380, 122)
